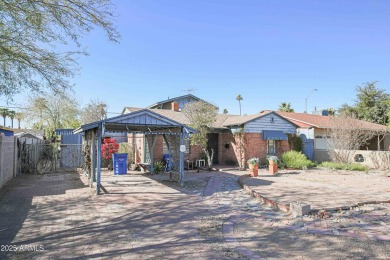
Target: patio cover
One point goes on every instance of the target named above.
(143, 121)
(274, 135)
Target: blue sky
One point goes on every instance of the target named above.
(269, 51)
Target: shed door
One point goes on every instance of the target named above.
(213, 144)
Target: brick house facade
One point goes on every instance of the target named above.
(226, 146)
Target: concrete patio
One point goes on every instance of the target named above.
(322, 188)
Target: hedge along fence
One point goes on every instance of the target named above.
(371, 159)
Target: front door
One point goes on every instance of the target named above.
(213, 144)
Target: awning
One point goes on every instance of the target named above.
(274, 135)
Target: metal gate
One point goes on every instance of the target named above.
(39, 158)
(308, 147)
(71, 156)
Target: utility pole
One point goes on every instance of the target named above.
(311, 92)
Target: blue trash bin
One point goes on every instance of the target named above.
(167, 166)
(119, 162)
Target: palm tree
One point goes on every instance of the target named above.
(102, 108)
(4, 113)
(40, 104)
(239, 98)
(225, 111)
(19, 117)
(331, 111)
(11, 114)
(285, 107)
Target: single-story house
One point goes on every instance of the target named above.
(262, 134)
(315, 127)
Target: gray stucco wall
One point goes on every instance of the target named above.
(321, 156)
(7, 159)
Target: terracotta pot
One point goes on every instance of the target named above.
(273, 168)
(253, 169)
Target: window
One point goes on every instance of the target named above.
(187, 143)
(271, 147)
(321, 142)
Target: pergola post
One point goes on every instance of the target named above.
(151, 151)
(93, 157)
(99, 157)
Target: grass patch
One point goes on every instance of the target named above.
(344, 166)
(296, 160)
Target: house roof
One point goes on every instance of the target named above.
(29, 131)
(309, 120)
(7, 129)
(240, 120)
(27, 135)
(139, 120)
(180, 116)
(155, 105)
(224, 121)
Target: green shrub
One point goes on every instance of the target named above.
(344, 166)
(158, 167)
(295, 142)
(296, 160)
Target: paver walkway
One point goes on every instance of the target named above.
(142, 218)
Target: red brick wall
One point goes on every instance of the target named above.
(255, 146)
(158, 149)
(282, 147)
(227, 149)
(195, 153)
(137, 141)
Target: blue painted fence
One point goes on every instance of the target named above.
(308, 147)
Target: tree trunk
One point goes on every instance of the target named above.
(209, 157)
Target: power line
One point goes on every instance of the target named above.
(13, 107)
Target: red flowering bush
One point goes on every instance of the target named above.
(109, 147)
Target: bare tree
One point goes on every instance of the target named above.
(348, 134)
(240, 142)
(95, 110)
(53, 111)
(201, 117)
(40, 40)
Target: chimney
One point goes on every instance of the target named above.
(175, 106)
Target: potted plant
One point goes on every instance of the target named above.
(273, 164)
(253, 165)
